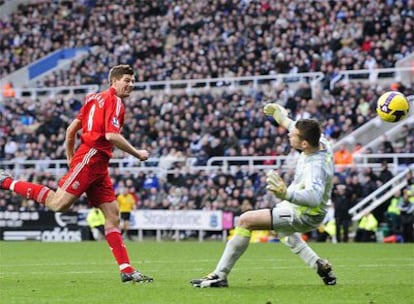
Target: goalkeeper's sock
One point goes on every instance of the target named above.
(301, 248)
(29, 190)
(233, 251)
(115, 242)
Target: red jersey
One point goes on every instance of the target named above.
(101, 113)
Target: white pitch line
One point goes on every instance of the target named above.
(196, 269)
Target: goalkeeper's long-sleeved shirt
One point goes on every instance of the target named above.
(312, 184)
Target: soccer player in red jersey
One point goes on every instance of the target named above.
(101, 119)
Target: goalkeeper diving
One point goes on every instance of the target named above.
(303, 206)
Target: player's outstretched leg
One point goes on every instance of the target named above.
(233, 251)
(36, 192)
(3, 176)
(302, 249)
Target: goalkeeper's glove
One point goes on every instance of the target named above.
(275, 184)
(278, 112)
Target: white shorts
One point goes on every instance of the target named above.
(286, 219)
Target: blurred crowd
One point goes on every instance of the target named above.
(198, 126)
(206, 39)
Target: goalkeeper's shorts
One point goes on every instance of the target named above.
(286, 219)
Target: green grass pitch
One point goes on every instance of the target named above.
(39, 273)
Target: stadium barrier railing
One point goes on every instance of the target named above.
(255, 81)
(373, 75)
(396, 161)
(167, 86)
(52, 92)
(380, 195)
(374, 131)
(189, 85)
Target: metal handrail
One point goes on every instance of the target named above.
(379, 196)
(225, 164)
(372, 74)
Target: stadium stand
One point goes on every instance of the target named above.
(183, 42)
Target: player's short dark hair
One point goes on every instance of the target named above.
(309, 130)
(118, 71)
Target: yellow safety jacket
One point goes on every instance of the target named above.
(95, 218)
(369, 223)
(393, 207)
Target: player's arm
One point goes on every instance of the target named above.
(123, 144)
(279, 114)
(311, 194)
(70, 138)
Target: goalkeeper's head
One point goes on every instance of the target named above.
(305, 135)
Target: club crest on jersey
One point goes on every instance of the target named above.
(115, 122)
(75, 185)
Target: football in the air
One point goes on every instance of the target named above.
(392, 106)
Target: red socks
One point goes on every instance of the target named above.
(114, 239)
(28, 190)
(6, 183)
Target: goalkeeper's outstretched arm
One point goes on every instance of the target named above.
(279, 114)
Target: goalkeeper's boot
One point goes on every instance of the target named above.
(135, 277)
(211, 280)
(324, 269)
(3, 176)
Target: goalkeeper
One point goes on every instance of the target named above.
(303, 205)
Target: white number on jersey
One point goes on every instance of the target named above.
(90, 117)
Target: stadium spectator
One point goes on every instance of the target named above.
(392, 215)
(182, 41)
(8, 90)
(126, 201)
(153, 195)
(383, 177)
(342, 204)
(367, 228)
(96, 223)
(303, 208)
(343, 157)
(101, 119)
(402, 137)
(327, 229)
(407, 215)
